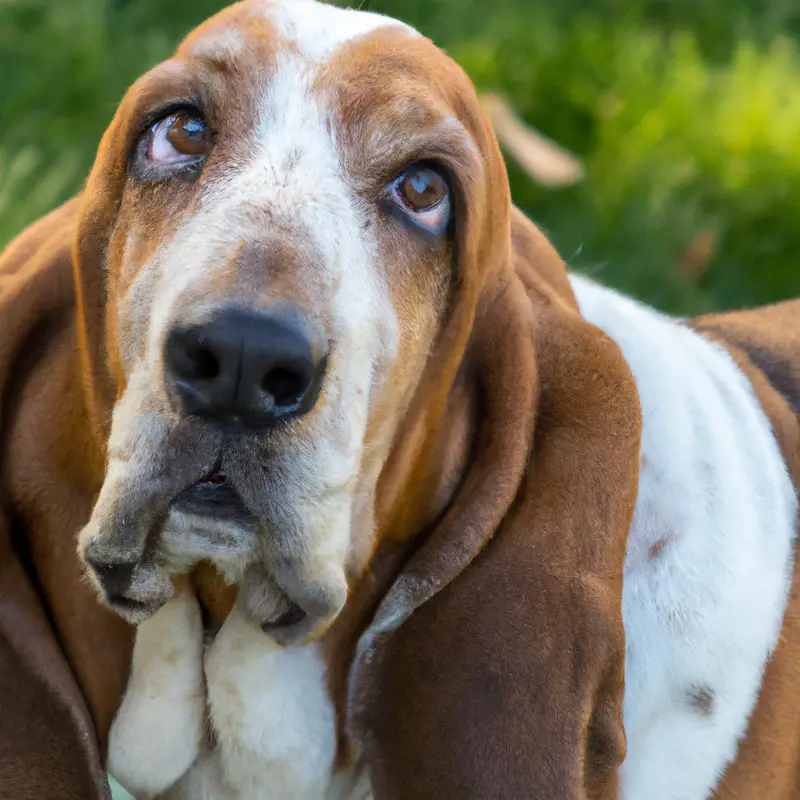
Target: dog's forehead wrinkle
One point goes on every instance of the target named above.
(221, 45)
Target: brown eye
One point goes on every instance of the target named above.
(422, 188)
(188, 135)
(181, 138)
(423, 195)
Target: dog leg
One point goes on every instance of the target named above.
(273, 720)
(160, 726)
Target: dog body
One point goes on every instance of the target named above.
(706, 581)
(372, 477)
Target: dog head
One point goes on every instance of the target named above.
(282, 245)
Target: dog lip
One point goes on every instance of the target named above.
(129, 608)
(216, 477)
(214, 495)
(126, 603)
(293, 616)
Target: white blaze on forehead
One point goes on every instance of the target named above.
(318, 29)
(293, 171)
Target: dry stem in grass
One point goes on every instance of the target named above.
(543, 160)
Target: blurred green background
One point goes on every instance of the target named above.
(685, 112)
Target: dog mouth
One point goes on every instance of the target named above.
(292, 617)
(130, 608)
(214, 496)
(165, 516)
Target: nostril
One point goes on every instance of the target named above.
(201, 364)
(193, 362)
(286, 386)
(189, 357)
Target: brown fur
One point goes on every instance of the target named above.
(513, 673)
(64, 658)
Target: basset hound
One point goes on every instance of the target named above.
(379, 502)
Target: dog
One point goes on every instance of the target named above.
(377, 500)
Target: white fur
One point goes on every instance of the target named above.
(160, 726)
(319, 29)
(272, 718)
(703, 609)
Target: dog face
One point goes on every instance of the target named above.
(286, 197)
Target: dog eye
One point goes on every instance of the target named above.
(424, 194)
(178, 139)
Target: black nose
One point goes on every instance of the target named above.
(245, 368)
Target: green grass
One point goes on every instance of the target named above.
(687, 115)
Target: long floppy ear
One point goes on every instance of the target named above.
(494, 667)
(48, 746)
(99, 204)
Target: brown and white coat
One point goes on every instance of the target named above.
(531, 525)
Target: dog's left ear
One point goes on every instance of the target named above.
(494, 667)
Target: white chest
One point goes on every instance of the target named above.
(242, 719)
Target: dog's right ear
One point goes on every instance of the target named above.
(48, 745)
